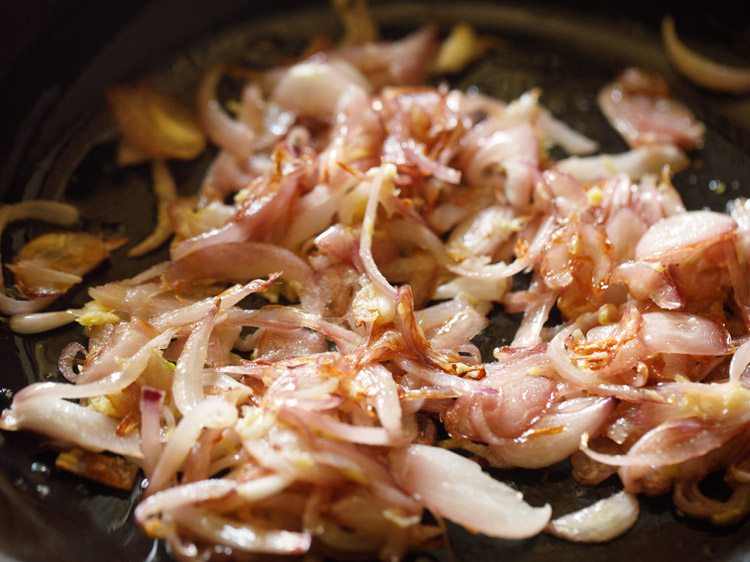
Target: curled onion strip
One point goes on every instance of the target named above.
(114, 382)
(385, 173)
(166, 192)
(702, 70)
(233, 136)
(67, 358)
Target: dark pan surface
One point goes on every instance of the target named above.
(58, 143)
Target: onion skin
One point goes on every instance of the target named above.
(702, 70)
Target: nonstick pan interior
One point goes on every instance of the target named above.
(59, 143)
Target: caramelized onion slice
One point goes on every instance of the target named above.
(166, 193)
(462, 47)
(154, 123)
(702, 70)
(113, 471)
(52, 263)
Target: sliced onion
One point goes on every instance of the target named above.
(514, 150)
(127, 372)
(60, 419)
(432, 167)
(503, 407)
(635, 163)
(677, 332)
(700, 69)
(150, 407)
(383, 176)
(313, 89)
(52, 263)
(263, 213)
(688, 498)
(601, 522)
(187, 386)
(585, 378)
(283, 317)
(166, 192)
(212, 413)
(343, 431)
(639, 106)
(125, 341)
(560, 133)
(155, 123)
(456, 488)
(67, 358)
(557, 435)
(226, 300)
(398, 63)
(241, 536)
(670, 443)
(438, 378)
(675, 238)
(383, 392)
(644, 280)
(52, 212)
(37, 322)
(179, 496)
(241, 262)
(231, 135)
(740, 361)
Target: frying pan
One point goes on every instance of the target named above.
(57, 142)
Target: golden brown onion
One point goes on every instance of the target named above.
(52, 263)
(155, 123)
